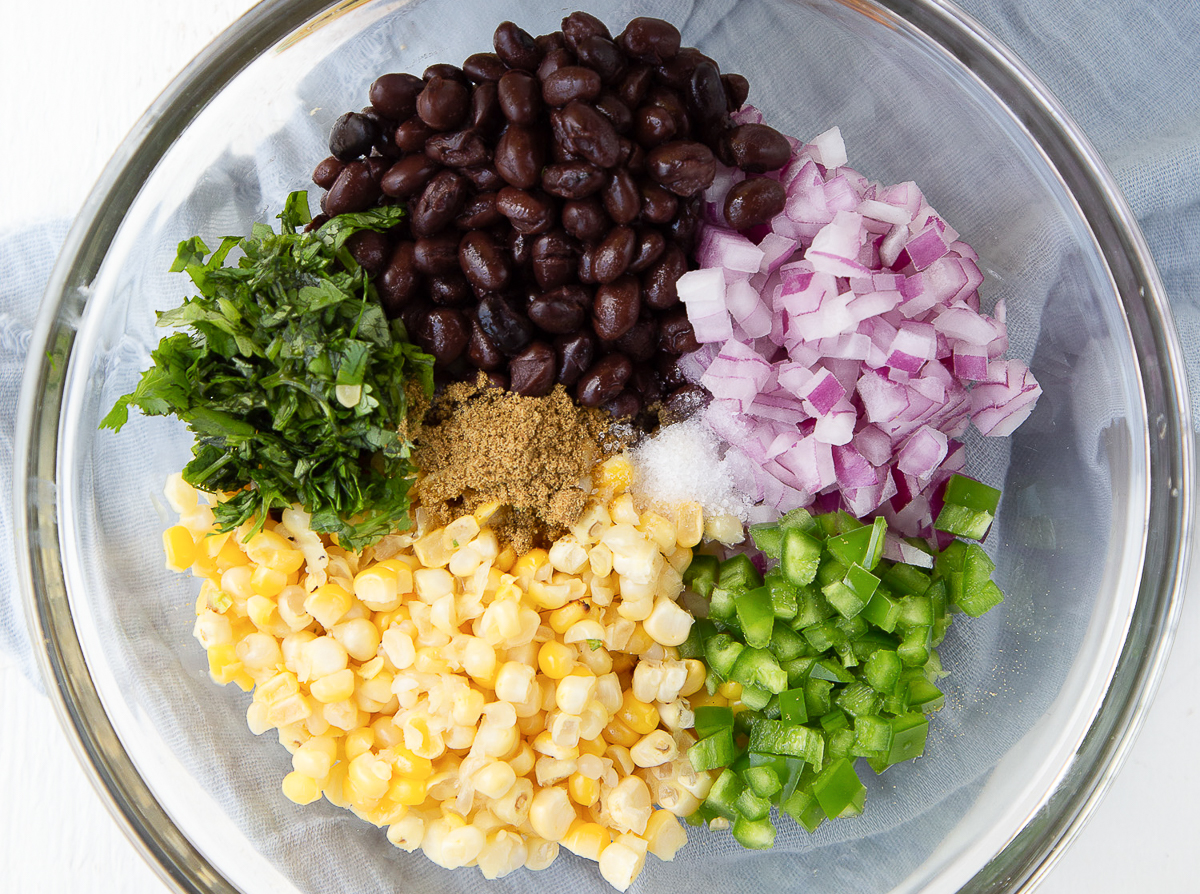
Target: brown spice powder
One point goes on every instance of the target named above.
(478, 444)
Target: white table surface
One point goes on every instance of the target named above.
(111, 59)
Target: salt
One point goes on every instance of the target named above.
(683, 462)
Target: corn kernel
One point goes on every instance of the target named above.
(616, 472)
(328, 603)
(180, 548)
(654, 749)
(696, 675)
(274, 551)
(406, 833)
(551, 813)
(358, 742)
(300, 788)
(528, 566)
(623, 511)
(555, 659)
(689, 524)
(267, 581)
(369, 777)
(407, 791)
(335, 687)
(382, 586)
(584, 791)
(620, 865)
(641, 717)
(618, 733)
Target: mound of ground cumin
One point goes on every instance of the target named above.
(479, 444)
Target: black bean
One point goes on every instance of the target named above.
(737, 88)
(443, 104)
(413, 314)
(653, 126)
(574, 354)
(614, 254)
(459, 149)
(579, 26)
(677, 72)
(408, 177)
(572, 180)
(519, 156)
(484, 177)
(658, 205)
(352, 136)
(646, 380)
(486, 116)
(634, 85)
(675, 333)
(625, 405)
(353, 190)
(587, 265)
(395, 95)
(484, 67)
(479, 213)
(516, 47)
(528, 212)
(673, 104)
(447, 71)
(616, 307)
(553, 61)
(531, 372)
(520, 97)
(582, 130)
(640, 341)
(682, 403)
(585, 219)
(483, 262)
(686, 168)
(327, 170)
(441, 201)
(482, 351)
(411, 135)
(622, 198)
(757, 148)
(438, 254)
(378, 166)
(610, 106)
(398, 282)
(571, 82)
(520, 248)
(444, 334)
(508, 329)
(451, 290)
(554, 257)
(651, 40)
(706, 98)
(604, 380)
(658, 283)
(754, 201)
(602, 55)
(650, 246)
(561, 311)
(498, 379)
(552, 41)
(370, 249)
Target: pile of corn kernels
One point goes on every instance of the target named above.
(486, 707)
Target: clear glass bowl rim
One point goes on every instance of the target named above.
(1169, 442)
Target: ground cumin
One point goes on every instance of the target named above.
(478, 444)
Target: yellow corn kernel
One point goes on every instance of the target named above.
(689, 524)
(620, 865)
(263, 612)
(660, 530)
(300, 788)
(551, 813)
(731, 689)
(594, 746)
(641, 717)
(704, 698)
(243, 681)
(527, 566)
(266, 581)
(460, 532)
(382, 586)
(725, 528)
(431, 551)
(623, 511)
(205, 567)
(587, 839)
(679, 559)
(562, 619)
(618, 733)
(665, 835)
(328, 603)
(359, 741)
(556, 659)
(409, 764)
(483, 514)
(369, 776)
(639, 641)
(179, 547)
(505, 560)
(315, 757)
(407, 790)
(228, 554)
(583, 791)
(696, 675)
(274, 551)
(335, 687)
(616, 472)
(223, 663)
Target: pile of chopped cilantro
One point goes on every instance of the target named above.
(292, 379)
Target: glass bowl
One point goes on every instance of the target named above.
(1045, 692)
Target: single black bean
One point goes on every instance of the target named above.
(498, 379)
(317, 222)
(561, 311)
(506, 327)
(658, 283)
(653, 125)
(516, 47)
(650, 246)
(395, 95)
(451, 290)
(633, 156)
(408, 177)
(668, 368)
(552, 41)
(327, 170)
(436, 255)
(352, 136)
(441, 201)
(603, 56)
(413, 314)
(757, 148)
(572, 180)
(486, 116)
(635, 84)
(484, 67)
(658, 205)
(447, 71)
(444, 102)
(459, 149)
(707, 101)
(444, 334)
(586, 219)
(378, 166)
(587, 266)
(621, 197)
(520, 248)
(737, 88)
(519, 156)
(574, 354)
(686, 168)
(582, 130)
(640, 341)
(646, 380)
(553, 61)
(616, 307)
(520, 97)
(625, 405)
(531, 373)
(370, 249)
(528, 212)
(483, 177)
(353, 190)
(675, 333)
(483, 262)
(571, 82)
(682, 229)
(479, 213)
(604, 380)
(411, 135)
(610, 106)
(651, 40)
(614, 254)
(482, 351)
(754, 201)
(677, 72)
(682, 403)
(399, 281)
(554, 257)
(579, 26)
(673, 104)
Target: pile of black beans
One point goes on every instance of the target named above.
(553, 190)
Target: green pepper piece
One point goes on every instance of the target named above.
(801, 805)
(872, 735)
(792, 707)
(711, 752)
(797, 670)
(756, 616)
(924, 695)
(763, 780)
(834, 721)
(915, 647)
(738, 573)
(858, 699)
(850, 548)
(768, 537)
(882, 670)
(817, 699)
(883, 610)
(909, 732)
(701, 574)
(712, 719)
(755, 697)
(693, 647)
(749, 805)
(775, 737)
(839, 791)
(722, 605)
(907, 580)
(758, 668)
(811, 608)
(839, 743)
(724, 794)
(784, 596)
(721, 653)
(754, 834)
(800, 556)
(832, 670)
(964, 491)
(786, 643)
(915, 611)
(843, 598)
(801, 519)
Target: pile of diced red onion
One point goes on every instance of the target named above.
(843, 343)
